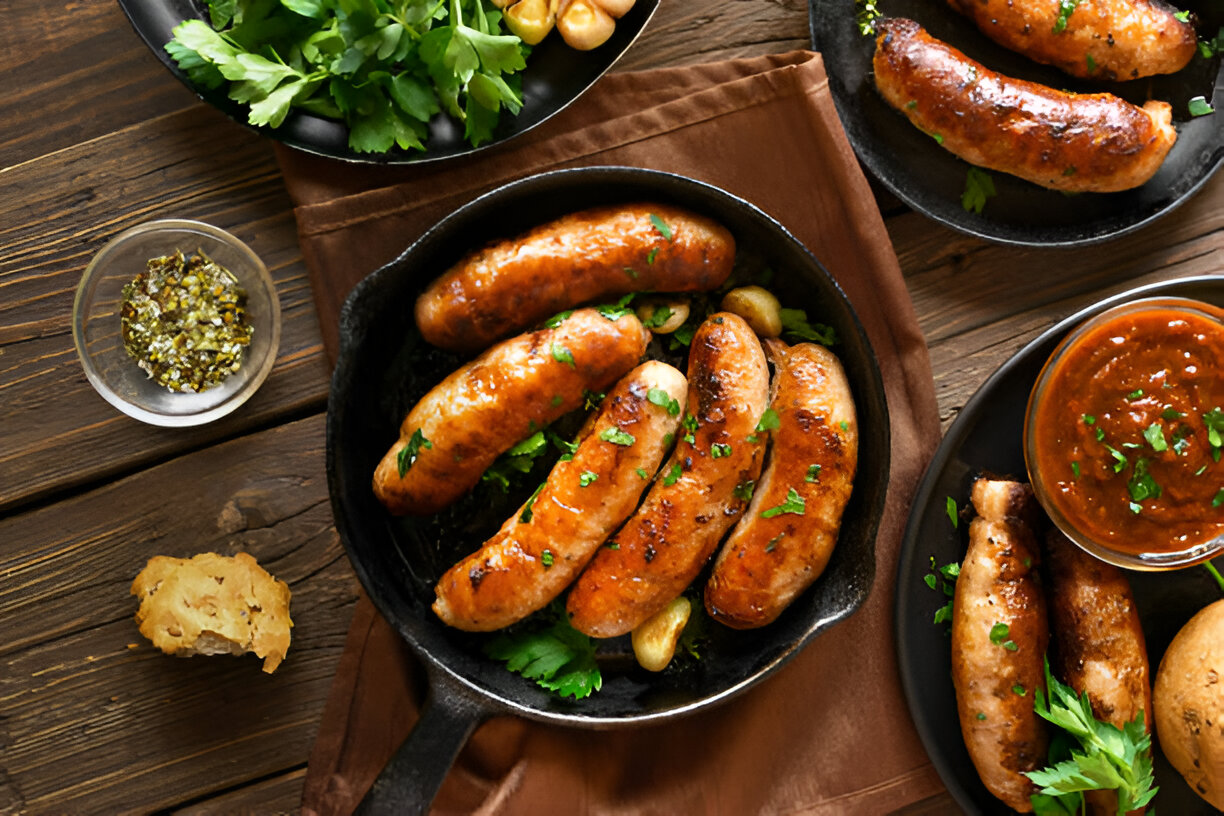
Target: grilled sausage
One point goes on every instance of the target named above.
(999, 638)
(466, 421)
(579, 258)
(539, 550)
(1074, 142)
(1098, 39)
(1098, 643)
(695, 499)
(773, 556)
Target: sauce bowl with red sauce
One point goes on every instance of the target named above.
(1124, 431)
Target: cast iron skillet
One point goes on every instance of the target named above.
(930, 179)
(986, 437)
(555, 76)
(384, 367)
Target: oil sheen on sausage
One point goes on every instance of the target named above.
(580, 258)
(697, 496)
(543, 546)
(1096, 39)
(1098, 643)
(1065, 141)
(999, 638)
(496, 400)
(781, 545)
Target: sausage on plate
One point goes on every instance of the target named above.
(999, 638)
(540, 549)
(452, 435)
(1065, 141)
(697, 495)
(1096, 39)
(580, 258)
(785, 538)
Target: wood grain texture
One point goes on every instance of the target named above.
(59, 211)
(93, 719)
(280, 794)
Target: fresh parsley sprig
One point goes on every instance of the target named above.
(552, 653)
(1109, 758)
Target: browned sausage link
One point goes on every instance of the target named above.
(782, 545)
(999, 638)
(580, 258)
(1098, 643)
(1100, 39)
(694, 500)
(504, 395)
(540, 549)
(1064, 141)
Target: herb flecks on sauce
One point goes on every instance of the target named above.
(184, 322)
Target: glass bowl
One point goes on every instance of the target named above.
(97, 332)
(1119, 469)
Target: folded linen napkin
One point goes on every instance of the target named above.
(829, 733)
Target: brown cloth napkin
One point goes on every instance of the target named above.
(827, 734)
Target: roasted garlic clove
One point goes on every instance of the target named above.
(759, 308)
(531, 20)
(654, 641)
(584, 25)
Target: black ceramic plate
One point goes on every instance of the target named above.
(555, 76)
(384, 367)
(931, 180)
(986, 437)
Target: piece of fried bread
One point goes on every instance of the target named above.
(213, 604)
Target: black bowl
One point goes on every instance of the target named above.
(384, 367)
(930, 179)
(555, 76)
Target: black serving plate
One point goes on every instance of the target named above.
(987, 438)
(930, 179)
(555, 76)
(385, 367)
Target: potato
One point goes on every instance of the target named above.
(584, 25)
(648, 311)
(654, 641)
(759, 308)
(1189, 703)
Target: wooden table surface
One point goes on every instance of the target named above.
(97, 137)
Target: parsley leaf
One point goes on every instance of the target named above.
(661, 226)
(795, 322)
(979, 186)
(769, 421)
(1065, 7)
(943, 578)
(616, 436)
(953, 512)
(794, 504)
(518, 459)
(659, 397)
(408, 454)
(553, 653)
(673, 474)
(562, 355)
(1199, 106)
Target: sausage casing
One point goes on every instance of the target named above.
(999, 638)
(494, 401)
(773, 556)
(579, 258)
(538, 551)
(694, 500)
(1065, 141)
(1098, 643)
(1098, 39)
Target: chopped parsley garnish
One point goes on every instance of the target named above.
(794, 504)
(659, 397)
(546, 558)
(769, 421)
(1170, 414)
(552, 653)
(650, 256)
(773, 542)
(1135, 507)
(1214, 420)
(1120, 460)
(981, 715)
(516, 460)
(661, 226)
(1136, 394)
(718, 450)
(1155, 437)
(613, 545)
(673, 474)
(1089, 419)
(1091, 63)
(1182, 16)
(591, 399)
(1209, 48)
(1075, 469)
(999, 637)
(744, 490)
(979, 186)
(642, 473)
(617, 437)
(795, 322)
(556, 400)
(1100, 434)
(557, 319)
(631, 272)
(943, 578)
(525, 516)
(865, 16)
(407, 456)
(562, 355)
(952, 511)
(658, 317)
(813, 474)
(690, 424)
(1199, 106)
(1019, 689)
(615, 311)
(1219, 498)
(1108, 757)
(586, 478)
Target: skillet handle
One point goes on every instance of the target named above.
(410, 780)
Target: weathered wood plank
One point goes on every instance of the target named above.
(60, 209)
(281, 794)
(692, 33)
(92, 718)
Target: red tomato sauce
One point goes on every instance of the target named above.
(1124, 438)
